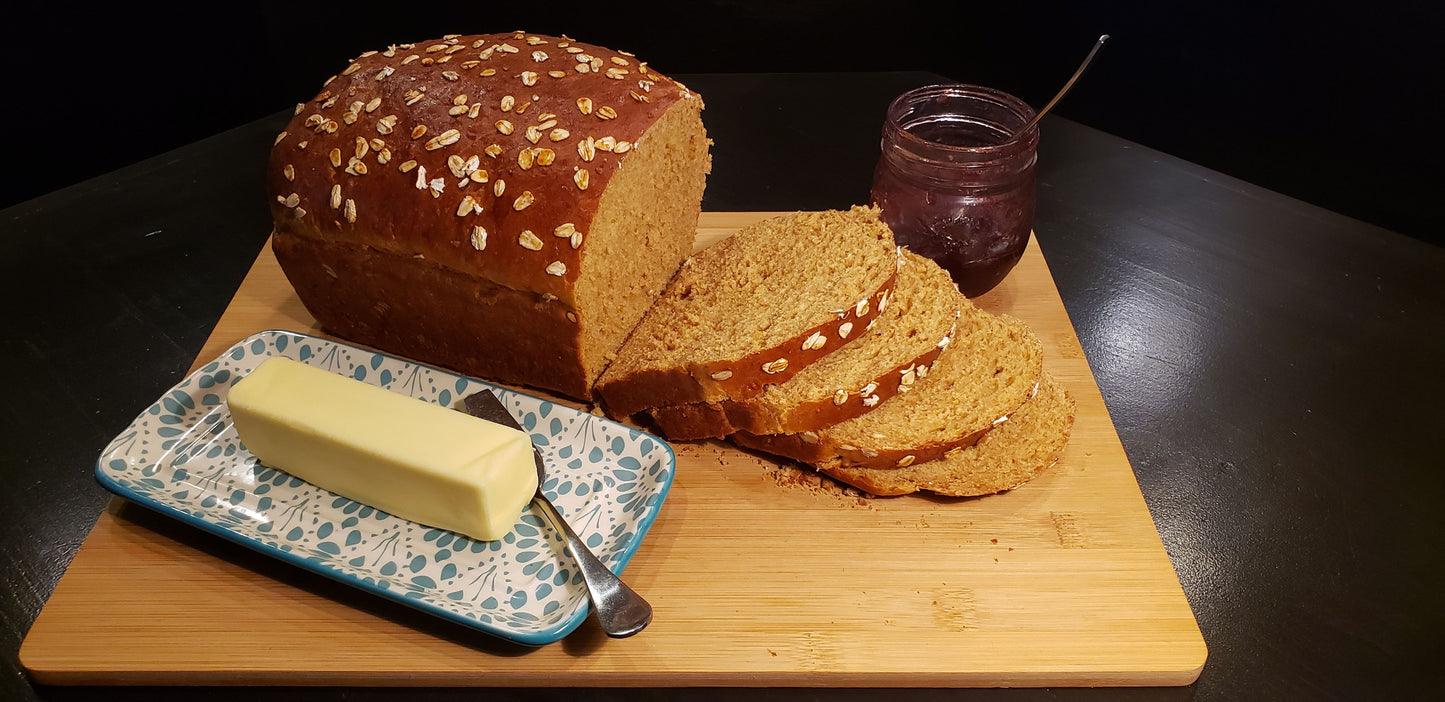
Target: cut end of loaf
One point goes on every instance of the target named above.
(644, 227)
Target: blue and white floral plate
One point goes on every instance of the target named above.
(182, 458)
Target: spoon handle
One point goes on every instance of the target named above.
(621, 611)
(1062, 91)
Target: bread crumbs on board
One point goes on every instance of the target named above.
(791, 476)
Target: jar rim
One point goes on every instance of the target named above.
(1017, 106)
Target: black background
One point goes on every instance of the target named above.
(1335, 103)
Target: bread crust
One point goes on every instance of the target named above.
(820, 447)
(702, 420)
(451, 319)
(738, 378)
(807, 448)
(1006, 467)
(475, 161)
(393, 214)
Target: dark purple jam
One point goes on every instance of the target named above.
(953, 187)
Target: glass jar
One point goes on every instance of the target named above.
(952, 186)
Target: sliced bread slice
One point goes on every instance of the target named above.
(991, 369)
(755, 309)
(1007, 457)
(900, 346)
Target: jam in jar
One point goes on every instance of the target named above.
(952, 184)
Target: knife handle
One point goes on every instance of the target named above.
(621, 611)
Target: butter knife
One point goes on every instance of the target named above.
(620, 610)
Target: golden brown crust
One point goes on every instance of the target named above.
(348, 165)
(694, 420)
(870, 449)
(1006, 458)
(464, 176)
(922, 315)
(745, 377)
(465, 323)
(805, 446)
(702, 420)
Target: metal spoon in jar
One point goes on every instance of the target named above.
(1062, 91)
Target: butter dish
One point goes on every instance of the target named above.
(181, 457)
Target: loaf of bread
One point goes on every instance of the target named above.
(911, 331)
(505, 205)
(1005, 458)
(755, 309)
(991, 368)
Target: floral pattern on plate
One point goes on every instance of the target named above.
(182, 457)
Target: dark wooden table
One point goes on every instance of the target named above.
(1272, 368)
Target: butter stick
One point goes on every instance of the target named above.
(413, 459)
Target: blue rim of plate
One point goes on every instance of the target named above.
(174, 418)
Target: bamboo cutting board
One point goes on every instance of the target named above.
(759, 574)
